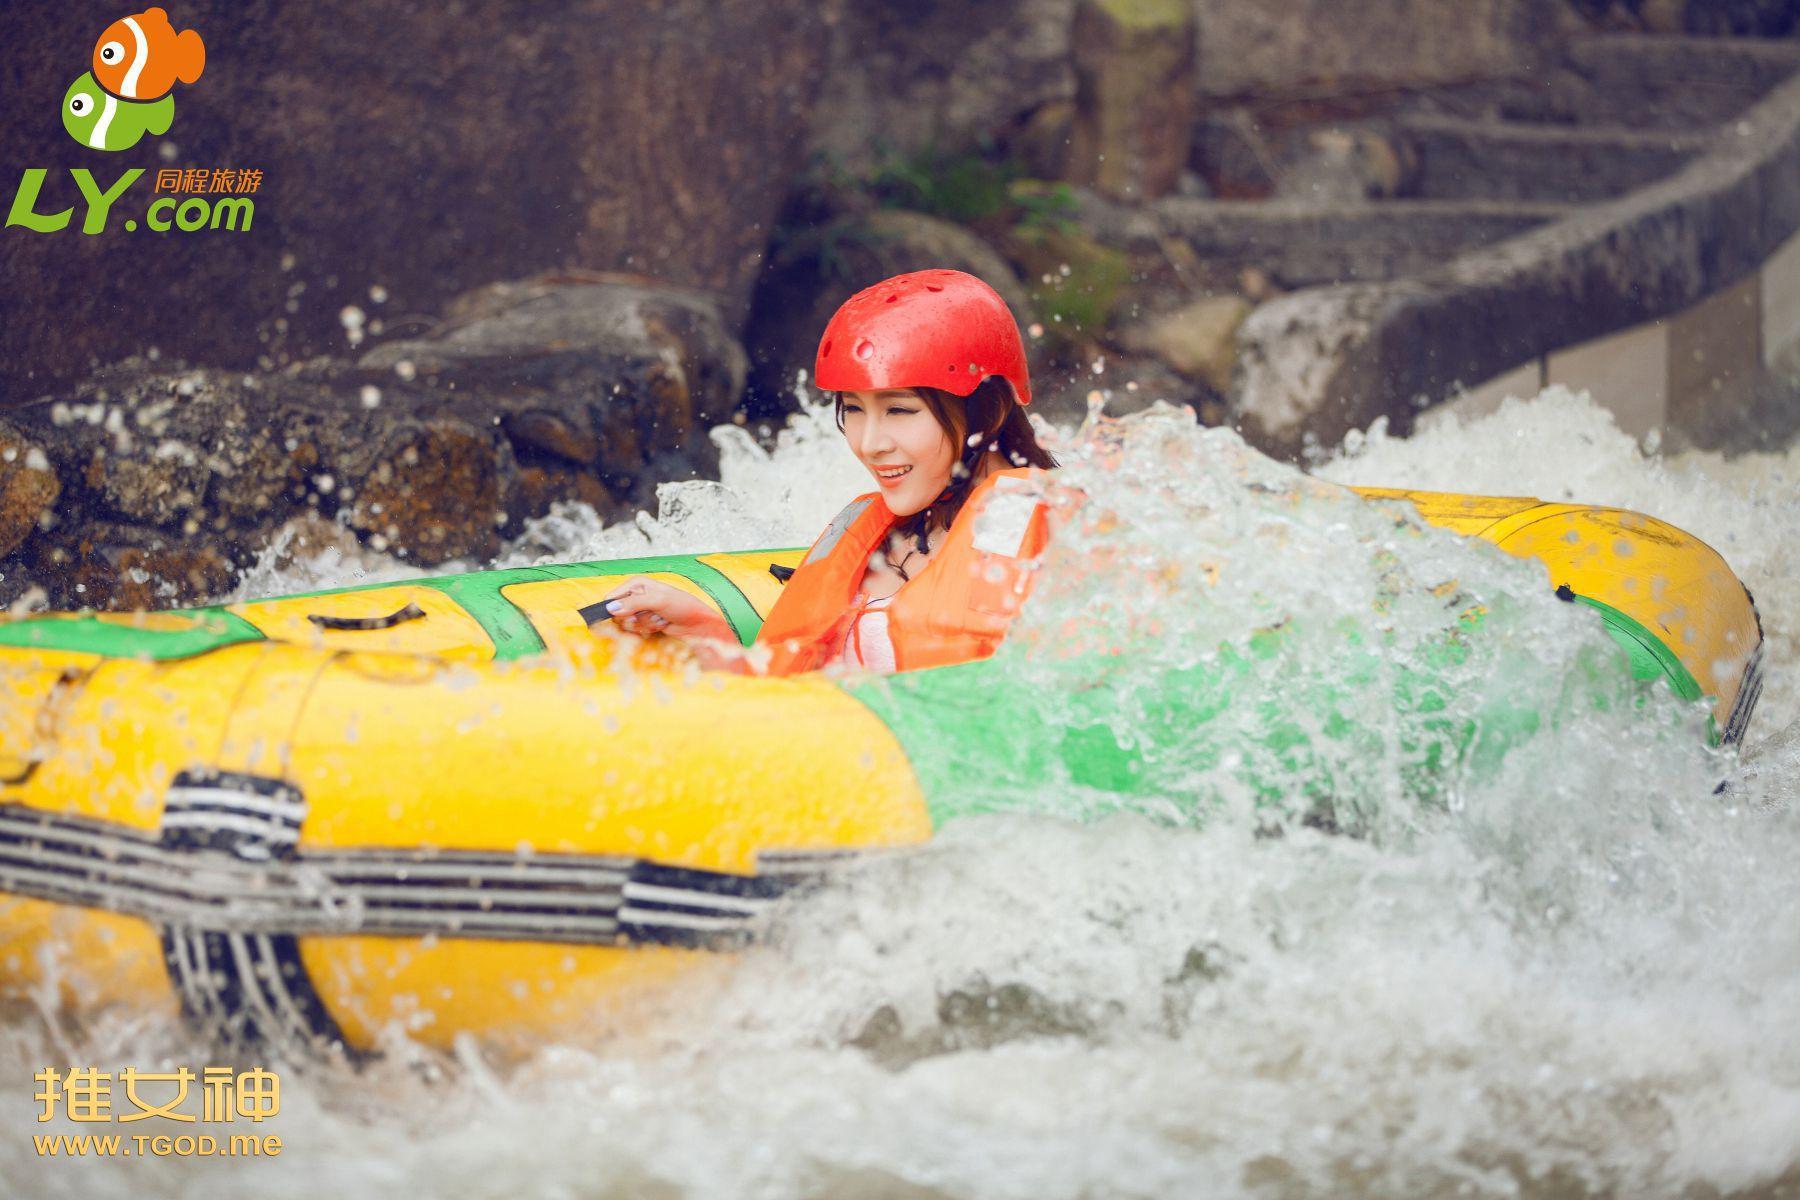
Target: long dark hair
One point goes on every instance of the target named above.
(989, 418)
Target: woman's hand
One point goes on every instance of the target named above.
(646, 606)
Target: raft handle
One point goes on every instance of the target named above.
(782, 574)
(44, 727)
(412, 612)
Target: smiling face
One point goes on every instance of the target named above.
(895, 436)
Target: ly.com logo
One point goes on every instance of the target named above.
(137, 63)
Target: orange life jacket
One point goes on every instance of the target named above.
(955, 610)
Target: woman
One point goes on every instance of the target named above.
(931, 385)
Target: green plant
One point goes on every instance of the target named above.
(977, 187)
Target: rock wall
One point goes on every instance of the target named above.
(421, 149)
(903, 77)
(939, 72)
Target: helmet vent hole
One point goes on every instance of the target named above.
(865, 349)
(934, 287)
(895, 296)
(825, 352)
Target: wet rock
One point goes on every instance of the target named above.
(566, 435)
(28, 487)
(145, 443)
(304, 536)
(110, 565)
(583, 367)
(1199, 339)
(198, 471)
(1291, 350)
(538, 488)
(175, 474)
(814, 273)
(430, 491)
(1135, 103)
(171, 575)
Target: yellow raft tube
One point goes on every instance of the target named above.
(443, 807)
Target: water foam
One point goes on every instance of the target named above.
(1580, 977)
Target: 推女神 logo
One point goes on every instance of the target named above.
(137, 63)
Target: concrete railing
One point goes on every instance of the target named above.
(1667, 303)
(1695, 373)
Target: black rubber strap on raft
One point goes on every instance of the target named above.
(412, 612)
(1565, 593)
(594, 612)
(782, 574)
(68, 678)
(24, 775)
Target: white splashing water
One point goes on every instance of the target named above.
(1582, 980)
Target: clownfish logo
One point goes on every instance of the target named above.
(137, 63)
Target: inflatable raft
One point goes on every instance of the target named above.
(446, 806)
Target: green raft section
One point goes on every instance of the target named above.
(1241, 725)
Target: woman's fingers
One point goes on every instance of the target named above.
(644, 606)
(626, 601)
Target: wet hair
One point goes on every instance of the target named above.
(989, 418)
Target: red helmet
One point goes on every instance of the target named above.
(937, 329)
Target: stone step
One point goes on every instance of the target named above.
(1635, 81)
(1462, 159)
(1300, 244)
(1677, 82)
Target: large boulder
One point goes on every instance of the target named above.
(604, 372)
(167, 479)
(1198, 339)
(1299, 355)
(176, 477)
(1135, 101)
(413, 152)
